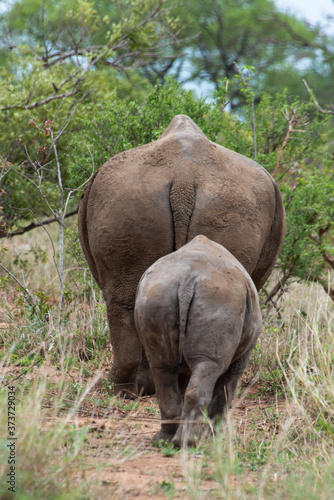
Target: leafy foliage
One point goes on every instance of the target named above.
(293, 144)
(308, 251)
(59, 61)
(122, 125)
(280, 46)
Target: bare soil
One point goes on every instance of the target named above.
(120, 460)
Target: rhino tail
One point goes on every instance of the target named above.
(182, 201)
(82, 228)
(185, 297)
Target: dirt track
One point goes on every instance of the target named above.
(133, 468)
(120, 461)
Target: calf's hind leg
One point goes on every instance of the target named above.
(197, 398)
(226, 386)
(170, 402)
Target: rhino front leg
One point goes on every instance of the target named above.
(197, 398)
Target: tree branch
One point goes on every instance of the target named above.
(292, 122)
(33, 225)
(280, 284)
(38, 104)
(316, 103)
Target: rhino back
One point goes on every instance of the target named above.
(149, 201)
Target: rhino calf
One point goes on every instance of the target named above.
(198, 317)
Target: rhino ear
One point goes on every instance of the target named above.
(181, 123)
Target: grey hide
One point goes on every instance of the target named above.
(198, 317)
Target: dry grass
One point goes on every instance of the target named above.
(278, 441)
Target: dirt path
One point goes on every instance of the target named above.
(121, 463)
(133, 468)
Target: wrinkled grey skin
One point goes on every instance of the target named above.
(201, 303)
(150, 201)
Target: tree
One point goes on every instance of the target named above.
(72, 53)
(293, 143)
(308, 252)
(60, 59)
(280, 47)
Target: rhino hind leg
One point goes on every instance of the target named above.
(126, 347)
(170, 402)
(226, 386)
(197, 399)
(144, 380)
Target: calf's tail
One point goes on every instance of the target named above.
(185, 297)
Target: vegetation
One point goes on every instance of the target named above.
(74, 440)
(280, 47)
(69, 108)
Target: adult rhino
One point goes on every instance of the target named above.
(149, 201)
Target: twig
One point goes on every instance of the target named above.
(279, 285)
(252, 111)
(316, 103)
(28, 295)
(38, 104)
(291, 196)
(23, 373)
(292, 120)
(81, 186)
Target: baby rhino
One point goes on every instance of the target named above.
(198, 317)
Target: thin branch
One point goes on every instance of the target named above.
(33, 225)
(291, 196)
(316, 103)
(60, 133)
(29, 297)
(246, 85)
(37, 104)
(279, 285)
(82, 185)
(61, 56)
(68, 79)
(292, 122)
(39, 190)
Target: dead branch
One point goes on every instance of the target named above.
(293, 118)
(279, 285)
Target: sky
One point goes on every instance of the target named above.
(314, 11)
